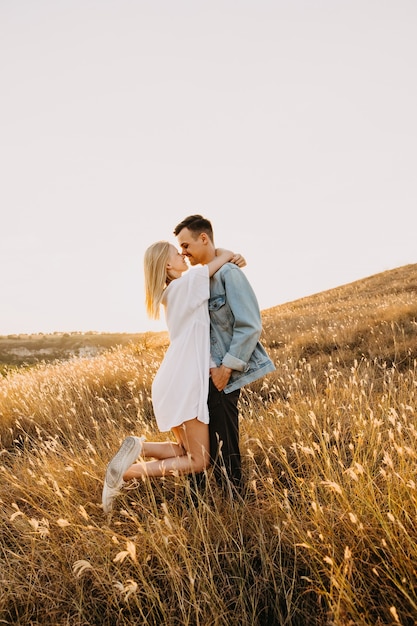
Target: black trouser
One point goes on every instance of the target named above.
(224, 436)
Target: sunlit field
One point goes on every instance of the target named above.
(325, 533)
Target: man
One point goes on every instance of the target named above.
(237, 356)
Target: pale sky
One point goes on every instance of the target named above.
(290, 124)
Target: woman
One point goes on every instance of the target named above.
(180, 387)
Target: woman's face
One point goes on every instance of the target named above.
(176, 262)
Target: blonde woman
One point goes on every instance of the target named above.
(180, 387)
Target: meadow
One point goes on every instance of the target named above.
(23, 350)
(325, 532)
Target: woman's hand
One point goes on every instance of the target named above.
(239, 260)
(235, 258)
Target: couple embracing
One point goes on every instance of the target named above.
(214, 326)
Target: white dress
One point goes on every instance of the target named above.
(180, 387)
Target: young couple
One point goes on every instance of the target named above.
(214, 326)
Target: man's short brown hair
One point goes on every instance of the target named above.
(196, 224)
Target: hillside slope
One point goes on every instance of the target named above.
(375, 317)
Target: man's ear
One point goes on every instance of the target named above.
(204, 238)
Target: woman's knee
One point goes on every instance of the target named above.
(201, 461)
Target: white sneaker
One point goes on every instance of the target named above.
(127, 454)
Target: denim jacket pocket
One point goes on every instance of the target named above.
(221, 316)
(217, 302)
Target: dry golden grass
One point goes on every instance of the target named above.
(326, 532)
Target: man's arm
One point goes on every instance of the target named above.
(247, 326)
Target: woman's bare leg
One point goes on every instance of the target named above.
(161, 449)
(193, 440)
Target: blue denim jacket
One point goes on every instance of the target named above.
(235, 328)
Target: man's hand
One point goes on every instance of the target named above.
(220, 376)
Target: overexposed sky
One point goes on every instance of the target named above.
(290, 124)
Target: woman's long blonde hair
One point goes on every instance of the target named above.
(155, 269)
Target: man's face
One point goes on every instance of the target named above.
(195, 248)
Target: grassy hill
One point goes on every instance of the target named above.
(370, 318)
(326, 531)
